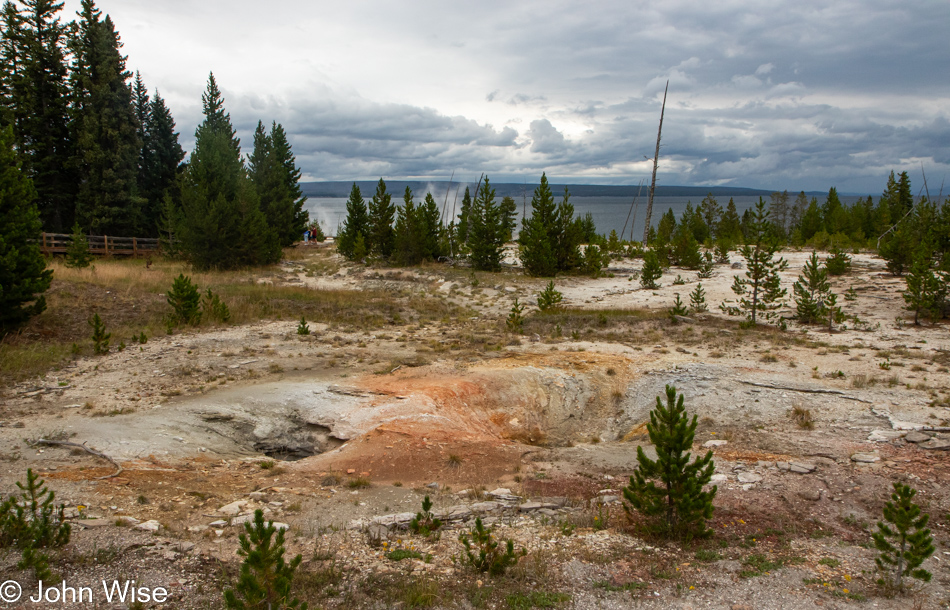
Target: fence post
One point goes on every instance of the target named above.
(135, 247)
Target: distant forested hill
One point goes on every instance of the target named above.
(502, 189)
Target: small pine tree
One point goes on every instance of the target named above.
(811, 292)
(652, 271)
(77, 253)
(214, 308)
(913, 541)
(925, 292)
(185, 300)
(760, 291)
(594, 260)
(515, 321)
(678, 506)
(100, 338)
(838, 263)
(265, 577)
(425, 522)
(722, 251)
(549, 298)
(31, 522)
(679, 308)
(355, 227)
(697, 299)
(303, 328)
(706, 266)
(482, 552)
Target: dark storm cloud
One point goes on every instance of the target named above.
(798, 95)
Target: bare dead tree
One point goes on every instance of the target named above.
(656, 159)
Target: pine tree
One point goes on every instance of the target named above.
(105, 129)
(409, 242)
(651, 272)
(914, 542)
(549, 298)
(538, 234)
(77, 254)
(35, 97)
(430, 219)
(220, 223)
(275, 176)
(925, 292)
(697, 299)
(678, 506)
(570, 233)
(811, 292)
(711, 211)
(355, 226)
(23, 273)
(266, 578)
(464, 213)
(509, 211)
(730, 227)
(382, 213)
(162, 155)
(760, 291)
(485, 230)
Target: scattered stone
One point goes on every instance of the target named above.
(885, 436)
(433, 485)
(865, 458)
(608, 499)
(917, 437)
(149, 526)
(90, 523)
(394, 520)
(936, 444)
(196, 529)
(715, 443)
(801, 467)
(218, 523)
(456, 513)
(485, 507)
(232, 509)
(811, 496)
(503, 495)
(749, 477)
(127, 520)
(719, 478)
(256, 495)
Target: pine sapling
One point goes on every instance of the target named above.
(912, 542)
(515, 321)
(32, 522)
(425, 523)
(549, 298)
(266, 578)
(482, 552)
(811, 292)
(100, 338)
(676, 506)
(303, 328)
(214, 308)
(185, 301)
(77, 253)
(678, 309)
(697, 299)
(706, 266)
(838, 263)
(651, 272)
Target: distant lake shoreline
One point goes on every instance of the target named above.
(610, 213)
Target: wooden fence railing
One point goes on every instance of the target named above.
(101, 245)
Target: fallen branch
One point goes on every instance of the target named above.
(98, 454)
(805, 390)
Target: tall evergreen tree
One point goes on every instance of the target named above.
(570, 233)
(382, 213)
(34, 89)
(430, 219)
(23, 273)
(355, 227)
(485, 230)
(537, 239)
(730, 228)
(143, 119)
(162, 156)
(409, 244)
(509, 211)
(221, 225)
(712, 212)
(276, 178)
(105, 128)
(464, 213)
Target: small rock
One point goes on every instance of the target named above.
(149, 526)
(197, 528)
(936, 444)
(811, 496)
(433, 485)
(608, 499)
(749, 477)
(89, 523)
(218, 523)
(127, 520)
(885, 436)
(715, 443)
(801, 467)
(865, 458)
(256, 495)
(917, 437)
(232, 509)
(719, 478)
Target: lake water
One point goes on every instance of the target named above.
(608, 212)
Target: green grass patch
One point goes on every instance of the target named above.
(535, 599)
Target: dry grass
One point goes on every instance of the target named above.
(130, 299)
(802, 417)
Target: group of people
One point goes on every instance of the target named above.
(313, 232)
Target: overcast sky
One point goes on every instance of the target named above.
(796, 95)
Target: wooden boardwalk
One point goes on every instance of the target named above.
(102, 245)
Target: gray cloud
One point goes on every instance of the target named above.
(770, 94)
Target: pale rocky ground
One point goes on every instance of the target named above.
(210, 425)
